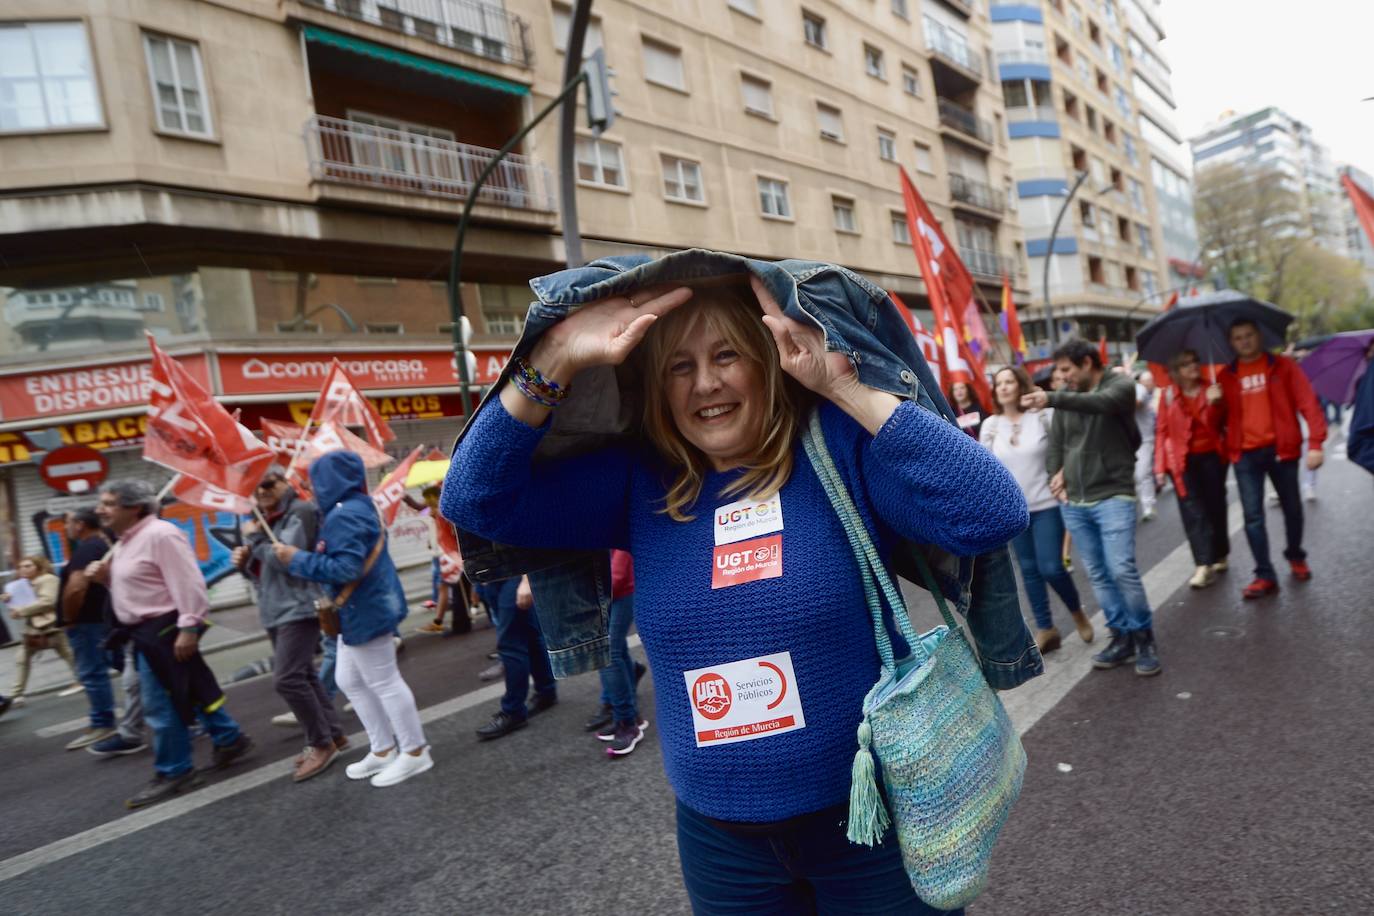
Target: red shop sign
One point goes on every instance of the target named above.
(104, 386)
(278, 372)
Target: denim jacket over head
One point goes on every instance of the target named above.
(859, 320)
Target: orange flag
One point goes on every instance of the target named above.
(1011, 324)
(1102, 349)
(1173, 301)
(1363, 204)
(341, 400)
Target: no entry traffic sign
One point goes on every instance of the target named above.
(74, 469)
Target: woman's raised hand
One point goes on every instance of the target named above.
(801, 349)
(603, 333)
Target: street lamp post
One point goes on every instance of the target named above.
(1050, 326)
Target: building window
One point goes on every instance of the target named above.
(887, 145)
(178, 85)
(1138, 195)
(873, 62)
(1085, 214)
(842, 208)
(503, 308)
(398, 146)
(911, 81)
(1149, 285)
(599, 163)
(681, 179)
(813, 30)
(47, 78)
(773, 198)
(924, 161)
(901, 232)
(1128, 142)
(663, 65)
(1147, 245)
(900, 8)
(152, 302)
(562, 23)
(758, 95)
(831, 122)
(748, 7)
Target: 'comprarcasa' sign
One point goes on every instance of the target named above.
(376, 371)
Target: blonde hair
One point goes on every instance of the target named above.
(40, 563)
(733, 314)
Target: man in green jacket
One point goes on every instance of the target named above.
(1091, 462)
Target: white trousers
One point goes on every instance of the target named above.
(368, 676)
(1145, 475)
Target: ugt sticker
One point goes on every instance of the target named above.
(747, 518)
(741, 701)
(747, 561)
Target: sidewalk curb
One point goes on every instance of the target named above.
(237, 641)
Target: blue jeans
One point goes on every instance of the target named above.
(1105, 537)
(523, 656)
(807, 867)
(171, 737)
(330, 646)
(1251, 470)
(1038, 554)
(435, 580)
(618, 678)
(93, 668)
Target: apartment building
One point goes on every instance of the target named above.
(265, 185)
(1273, 139)
(1069, 82)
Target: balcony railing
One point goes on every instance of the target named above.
(347, 152)
(984, 263)
(952, 47)
(1023, 56)
(1032, 113)
(485, 29)
(964, 121)
(977, 193)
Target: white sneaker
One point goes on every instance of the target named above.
(71, 690)
(1309, 494)
(370, 765)
(285, 720)
(1202, 578)
(402, 767)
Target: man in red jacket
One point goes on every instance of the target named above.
(1263, 395)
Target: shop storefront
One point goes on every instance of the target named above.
(101, 405)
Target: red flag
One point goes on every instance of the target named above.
(1011, 324)
(450, 559)
(210, 497)
(333, 436)
(392, 489)
(1363, 204)
(1102, 349)
(1173, 301)
(925, 341)
(341, 400)
(190, 433)
(950, 287)
(435, 454)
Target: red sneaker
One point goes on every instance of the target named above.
(1260, 588)
(1301, 571)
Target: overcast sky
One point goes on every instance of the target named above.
(1314, 59)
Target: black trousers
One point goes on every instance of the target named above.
(1203, 510)
(293, 674)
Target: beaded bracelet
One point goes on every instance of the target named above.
(532, 383)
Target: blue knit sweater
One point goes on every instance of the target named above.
(919, 478)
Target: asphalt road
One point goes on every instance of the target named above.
(1234, 783)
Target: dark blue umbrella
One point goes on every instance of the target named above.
(1203, 324)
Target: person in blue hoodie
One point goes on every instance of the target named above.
(352, 548)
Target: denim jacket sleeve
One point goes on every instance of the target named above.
(858, 319)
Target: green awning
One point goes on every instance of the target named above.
(413, 61)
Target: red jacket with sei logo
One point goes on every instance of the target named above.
(1290, 393)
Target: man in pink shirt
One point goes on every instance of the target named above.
(161, 603)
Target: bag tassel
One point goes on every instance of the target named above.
(868, 819)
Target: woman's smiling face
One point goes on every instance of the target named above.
(715, 395)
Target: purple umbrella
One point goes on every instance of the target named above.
(1336, 366)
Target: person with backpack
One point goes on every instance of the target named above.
(1019, 440)
(286, 607)
(1091, 463)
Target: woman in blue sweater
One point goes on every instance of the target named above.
(749, 602)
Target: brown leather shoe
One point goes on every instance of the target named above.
(314, 762)
(1082, 625)
(1047, 640)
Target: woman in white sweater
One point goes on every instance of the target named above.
(1020, 440)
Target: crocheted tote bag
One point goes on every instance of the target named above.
(951, 761)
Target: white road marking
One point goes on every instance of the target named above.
(78, 843)
(1065, 667)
